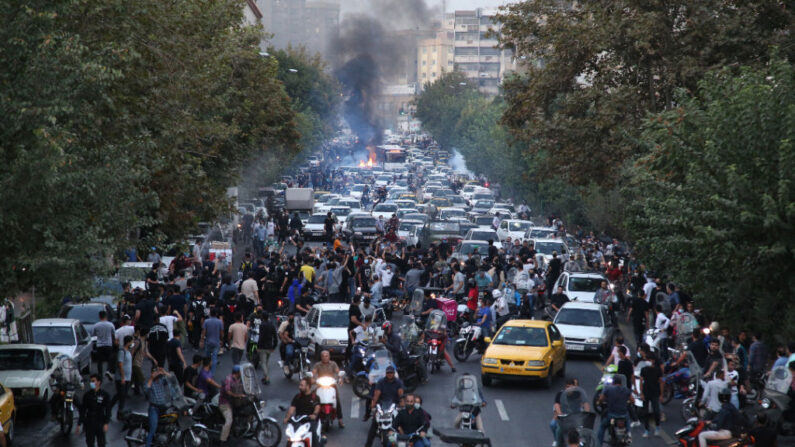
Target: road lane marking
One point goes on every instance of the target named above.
(355, 407)
(501, 410)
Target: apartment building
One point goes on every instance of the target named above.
(475, 51)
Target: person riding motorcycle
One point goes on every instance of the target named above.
(305, 403)
(387, 390)
(464, 395)
(329, 368)
(618, 398)
(394, 344)
(231, 389)
(727, 419)
(572, 399)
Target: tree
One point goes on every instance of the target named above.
(440, 104)
(593, 71)
(712, 201)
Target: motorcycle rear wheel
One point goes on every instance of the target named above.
(361, 387)
(139, 433)
(66, 423)
(411, 384)
(268, 433)
(460, 352)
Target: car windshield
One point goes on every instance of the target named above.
(470, 248)
(86, 314)
(447, 214)
(21, 360)
(408, 226)
(317, 219)
(584, 284)
(444, 227)
(579, 317)
(363, 222)
(480, 195)
(548, 247)
(127, 274)
(415, 216)
(483, 235)
(522, 336)
(341, 211)
(541, 233)
(358, 188)
(383, 207)
(484, 220)
(53, 335)
(518, 226)
(484, 204)
(334, 318)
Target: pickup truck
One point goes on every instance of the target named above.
(26, 369)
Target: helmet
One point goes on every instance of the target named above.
(386, 326)
(496, 293)
(724, 395)
(714, 327)
(612, 369)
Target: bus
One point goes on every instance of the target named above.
(394, 157)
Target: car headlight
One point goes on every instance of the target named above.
(489, 361)
(329, 342)
(535, 363)
(592, 340)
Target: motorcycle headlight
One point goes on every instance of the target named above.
(535, 363)
(592, 340)
(490, 361)
(325, 381)
(765, 403)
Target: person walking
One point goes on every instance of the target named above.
(124, 367)
(157, 339)
(265, 345)
(176, 359)
(105, 333)
(211, 338)
(651, 386)
(238, 333)
(94, 413)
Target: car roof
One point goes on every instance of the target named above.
(586, 275)
(22, 346)
(528, 323)
(94, 304)
(59, 322)
(548, 239)
(474, 241)
(582, 305)
(332, 306)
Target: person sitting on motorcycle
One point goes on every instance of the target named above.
(475, 411)
(305, 403)
(388, 389)
(358, 334)
(484, 319)
(329, 368)
(65, 375)
(572, 399)
(159, 394)
(728, 418)
(442, 335)
(618, 398)
(391, 340)
(411, 421)
(286, 335)
(231, 389)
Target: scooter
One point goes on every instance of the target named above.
(384, 422)
(299, 432)
(470, 340)
(300, 363)
(619, 432)
(327, 395)
(687, 436)
(435, 353)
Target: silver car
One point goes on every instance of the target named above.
(65, 336)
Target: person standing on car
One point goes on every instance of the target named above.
(105, 333)
(94, 412)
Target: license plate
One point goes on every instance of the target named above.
(572, 347)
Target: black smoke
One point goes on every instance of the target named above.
(367, 49)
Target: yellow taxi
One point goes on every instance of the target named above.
(7, 412)
(524, 350)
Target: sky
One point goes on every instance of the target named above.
(452, 5)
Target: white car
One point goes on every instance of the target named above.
(135, 274)
(579, 286)
(65, 336)
(26, 370)
(356, 191)
(315, 227)
(450, 213)
(545, 248)
(476, 234)
(328, 328)
(469, 190)
(504, 212)
(513, 228)
(586, 328)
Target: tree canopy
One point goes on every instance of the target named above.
(713, 201)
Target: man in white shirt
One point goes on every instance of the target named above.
(500, 304)
(249, 289)
(661, 323)
(168, 322)
(496, 221)
(710, 397)
(359, 333)
(124, 330)
(648, 289)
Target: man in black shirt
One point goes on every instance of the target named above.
(553, 270)
(698, 348)
(190, 375)
(328, 226)
(145, 314)
(625, 366)
(558, 299)
(638, 309)
(157, 338)
(651, 392)
(388, 390)
(305, 403)
(411, 420)
(95, 412)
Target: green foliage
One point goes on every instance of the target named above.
(713, 202)
(120, 116)
(441, 103)
(592, 72)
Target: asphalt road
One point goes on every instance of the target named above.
(515, 415)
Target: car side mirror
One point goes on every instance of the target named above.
(487, 339)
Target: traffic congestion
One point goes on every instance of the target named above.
(385, 296)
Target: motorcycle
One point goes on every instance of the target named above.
(618, 429)
(468, 399)
(470, 340)
(687, 436)
(605, 381)
(250, 419)
(327, 395)
(460, 437)
(304, 350)
(435, 329)
(174, 426)
(65, 386)
(384, 422)
(682, 383)
(775, 401)
(251, 344)
(376, 359)
(65, 413)
(582, 422)
(299, 432)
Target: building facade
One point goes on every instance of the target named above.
(435, 56)
(475, 51)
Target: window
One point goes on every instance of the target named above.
(424, 50)
(433, 75)
(434, 49)
(488, 51)
(424, 75)
(466, 36)
(554, 333)
(423, 63)
(466, 51)
(433, 62)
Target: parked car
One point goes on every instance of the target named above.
(87, 313)
(65, 336)
(26, 369)
(586, 328)
(8, 412)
